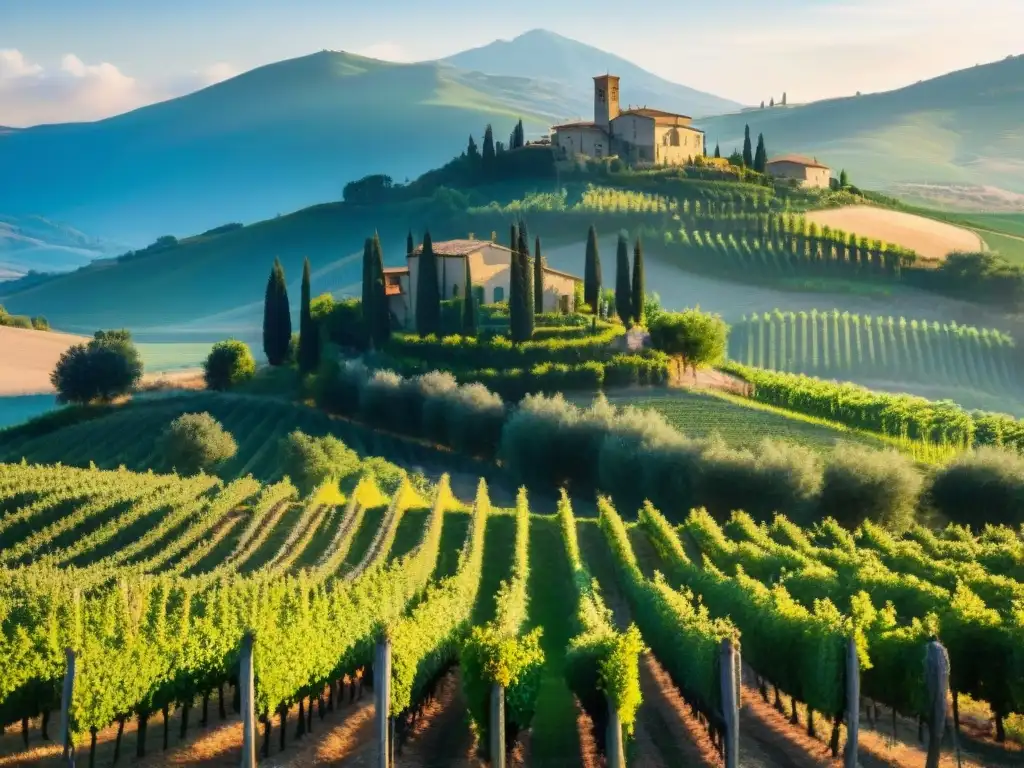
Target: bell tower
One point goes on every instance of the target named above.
(606, 100)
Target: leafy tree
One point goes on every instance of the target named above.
(468, 305)
(697, 339)
(592, 272)
(380, 314)
(865, 484)
(196, 442)
(718, 150)
(736, 159)
(988, 479)
(487, 156)
(369, 190)
(538, 278)
(623, 291)
(748, 150)
(637, 300)
(761, 155)
(309, 341)
(428, 297)
(229, 363)
(277, 319)
(107, 367)
(844, 180)
(312, 461)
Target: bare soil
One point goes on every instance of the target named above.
(930, 239)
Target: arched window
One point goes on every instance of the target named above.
(499, 294)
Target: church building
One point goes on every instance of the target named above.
(637, 135)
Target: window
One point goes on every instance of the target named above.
(499, 294)
(478, 294)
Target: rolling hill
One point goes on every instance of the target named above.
(34, 243)
(269, 141)
(570, 66)
(961, 128)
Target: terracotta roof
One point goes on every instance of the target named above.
(396, 270)
(455, 247)
(658, 114)
(563, 274)
(797, 160)
(392, 290)
(578, 124)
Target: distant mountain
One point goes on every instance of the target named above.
(546, 56)
(961, 128)
(269, 141)
(36, 244)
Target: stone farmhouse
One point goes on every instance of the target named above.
(637, 135)
(489, 265)
(807, 172)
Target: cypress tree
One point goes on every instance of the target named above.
(409, 245)
(623, 293)
(748, 149)
(718, 151)
(309, 343)
(592, 273)
(380, 326)
(515, 303)
(761, 156)
(638, 283)
(366, 305)
(783, 98)
(538, 279)
(487, 155)
(526, 285)
(772, 103)
(277, 319)
(468, 305)
(428, 297)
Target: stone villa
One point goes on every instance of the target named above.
(639, 135)
(807, 172)
(489, 265)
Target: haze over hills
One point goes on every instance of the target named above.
(961, 128)
(549, 57)
(269, 141)
(34, 243)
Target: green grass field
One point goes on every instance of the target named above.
(161, 357)
(701, 414)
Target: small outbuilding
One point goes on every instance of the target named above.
(808, 172)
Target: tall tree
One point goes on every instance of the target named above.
(472, 151)
(592, 273)
(623, 293)
(468, 305)
(783, 98)
(380, 323)
(844, 180)
(309, 342)
(718, 150)
(772, 104)
(761, 155)
(526, 283)
(277, 319)
(410, 245)
(515, 287)
(637, 304)
(488, 151)
(366, 304)
(428, 296)
(748, 149)
(538, 279)
(762, 105)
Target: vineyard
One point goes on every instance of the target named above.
(834, 344)
(598, 635)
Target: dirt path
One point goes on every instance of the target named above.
(441, 736)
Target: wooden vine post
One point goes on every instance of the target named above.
(730, 665)
(615, 751)
(382, 699)
(937, 677)
(497, 745)
(68, 748)
(852, 704)
(246, 684)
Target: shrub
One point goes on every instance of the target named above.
(338, 384)
(696, 338)
(863, 484)
(229, 363)
(475, 418)
(636, 370)
(40, 323)
(532, 445)
(382, 401)
(105, 368)
(986, 483)
(421, 418)
(388, 476)
(312, 461)
(195, 442)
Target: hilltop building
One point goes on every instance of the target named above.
(808, 172)
(638, 135)
(489, 265)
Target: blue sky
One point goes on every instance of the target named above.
(84, 59)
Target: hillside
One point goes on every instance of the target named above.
(33, 243)
(961, 128)
(267, 142)
(549, 57)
